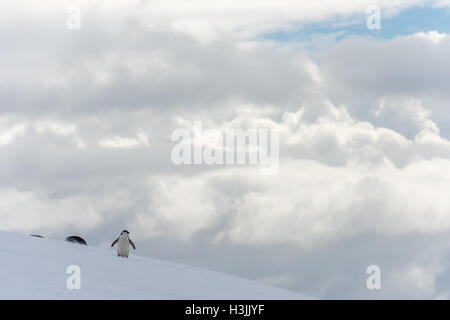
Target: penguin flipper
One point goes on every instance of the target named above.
(132, 244)
(115, 241)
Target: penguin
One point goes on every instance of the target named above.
(76, 239)
(124, 244)
(36, 235)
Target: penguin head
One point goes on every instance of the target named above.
(124, 232)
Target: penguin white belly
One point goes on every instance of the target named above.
(123, 247)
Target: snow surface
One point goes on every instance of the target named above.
(35, 268)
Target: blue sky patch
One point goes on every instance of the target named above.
(409, 21)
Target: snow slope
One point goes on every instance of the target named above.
(35, 268)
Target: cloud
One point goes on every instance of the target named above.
(50, 129)
(202, 19)
(8, 135)
(315, 200)
(381, 69)
(118, 142)
(176, 207)
(60, 129)
(29, 211)
(433, 36)
(407, 109)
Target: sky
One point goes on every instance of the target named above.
(92, 91)
(411, 20)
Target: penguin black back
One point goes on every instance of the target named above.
(76, 239)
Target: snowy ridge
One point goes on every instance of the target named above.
(35, 268)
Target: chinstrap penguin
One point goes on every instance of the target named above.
(123, 248)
